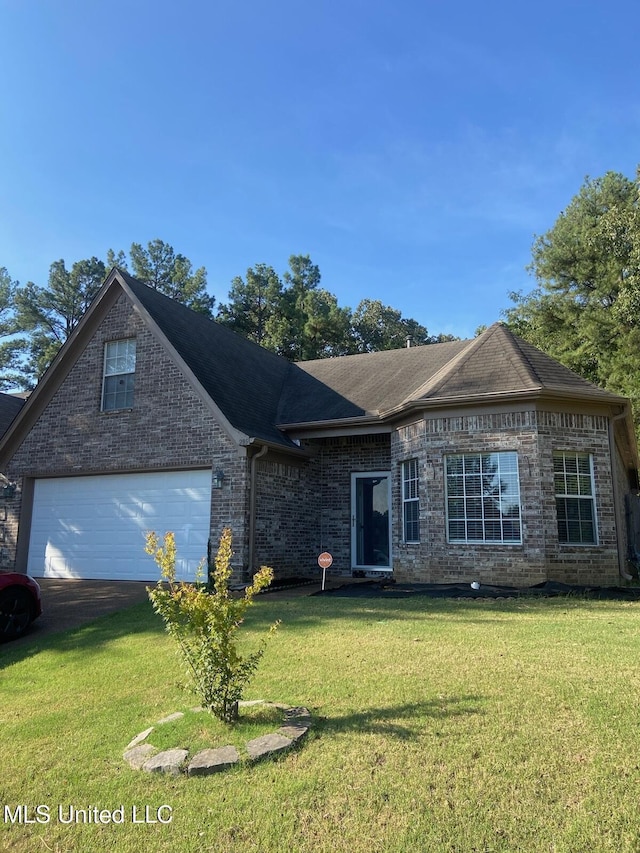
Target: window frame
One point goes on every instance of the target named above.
(579, 498)
(410, 485)
(464, 498)
(126, 396)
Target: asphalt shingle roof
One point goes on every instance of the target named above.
(242, 378)
(256, 389)
(499, 363)
(357, 385)
(9, 408)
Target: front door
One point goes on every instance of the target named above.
(371, 521)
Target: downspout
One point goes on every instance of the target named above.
(252, 504)
(622, 560)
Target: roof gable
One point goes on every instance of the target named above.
(497, 363)
(258, 395)
(242, 378)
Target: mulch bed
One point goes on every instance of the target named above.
(390, 589)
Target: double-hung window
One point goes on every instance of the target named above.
(575, 497)
(410, 501)
(483, 498)
(118, 376)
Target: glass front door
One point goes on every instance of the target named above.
(371, 521)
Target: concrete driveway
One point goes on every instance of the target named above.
(69, 603)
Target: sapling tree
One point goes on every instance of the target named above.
(204, 622)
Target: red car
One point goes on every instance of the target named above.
(20, 604)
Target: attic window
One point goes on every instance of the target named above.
(118, 376)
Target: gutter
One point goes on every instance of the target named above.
(252, 504)
(388, 416)
(358, 420)
(616, 498)
(288, 449)
(518, 396)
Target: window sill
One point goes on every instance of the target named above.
(482, 544)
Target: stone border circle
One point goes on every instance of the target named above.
(142, 755)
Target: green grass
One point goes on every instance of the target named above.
(439, 726)
(198, 729)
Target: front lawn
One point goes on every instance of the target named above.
(440, 726)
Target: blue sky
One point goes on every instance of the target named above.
(412, 149)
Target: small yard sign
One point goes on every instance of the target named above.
(325, 560)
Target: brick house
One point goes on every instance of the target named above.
(468, 460)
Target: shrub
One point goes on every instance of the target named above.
(204, 622)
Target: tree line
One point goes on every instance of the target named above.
(290, 314)
(296, 318)
(585, 308)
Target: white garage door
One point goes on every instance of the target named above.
(94, 527)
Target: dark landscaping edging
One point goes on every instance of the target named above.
(549, 589)
(142, 755)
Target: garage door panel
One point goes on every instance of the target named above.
(95, 527)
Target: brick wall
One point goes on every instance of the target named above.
(534, 436)
(288, 516)
(580, 564)
(305, 508)
(338, 458)
(167, 427)
(626, 491)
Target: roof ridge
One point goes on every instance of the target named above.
(383, 353)
(282, 392)
(240, 380)
(528, 364)
(523, 362)
(176, 305)
(523, 344)
(438, 379)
